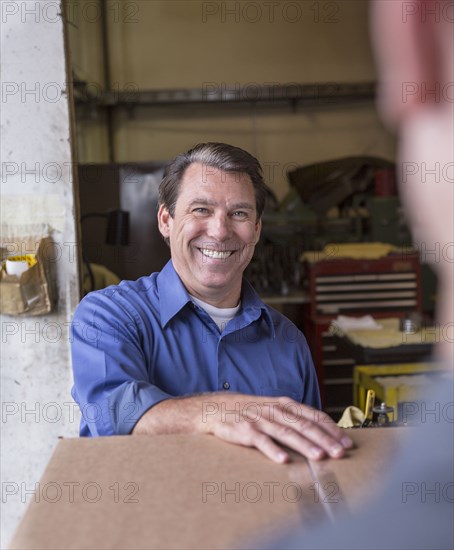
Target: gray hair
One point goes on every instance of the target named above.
(217, 155)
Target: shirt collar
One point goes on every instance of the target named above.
(253, 306)
(173, 296)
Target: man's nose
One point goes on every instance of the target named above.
(219, 227)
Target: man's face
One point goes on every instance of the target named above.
(213, 232)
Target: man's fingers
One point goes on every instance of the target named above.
(314, 444)
(266, 435)
(303, 429)
(309, 432)
(249, 435)
(313, 447)
(269, 448)
(307, 417)
(320, 438)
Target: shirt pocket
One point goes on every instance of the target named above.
(281, 391)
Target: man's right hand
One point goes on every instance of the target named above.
(252, 421)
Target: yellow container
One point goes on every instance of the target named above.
(392, 384)
(29, 258)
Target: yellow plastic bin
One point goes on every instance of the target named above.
(392, 384)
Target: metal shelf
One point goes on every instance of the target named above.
(317, 94)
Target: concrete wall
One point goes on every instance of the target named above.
(192, 44)
(37, 199)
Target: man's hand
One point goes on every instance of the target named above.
(252, 421)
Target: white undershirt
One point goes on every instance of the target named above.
(220, 315)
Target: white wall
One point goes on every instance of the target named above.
(37, 196)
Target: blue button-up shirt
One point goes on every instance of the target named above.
(138, 343)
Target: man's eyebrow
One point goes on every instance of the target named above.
(204, 201)
(242, 205)
(207, 202)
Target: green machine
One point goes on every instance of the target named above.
(352, 199)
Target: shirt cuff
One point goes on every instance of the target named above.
(129, 402)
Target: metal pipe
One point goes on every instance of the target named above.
(107, 76)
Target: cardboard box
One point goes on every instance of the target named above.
(189, 491)
(31, 293)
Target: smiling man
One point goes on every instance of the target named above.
(212, 230)
(193, 349)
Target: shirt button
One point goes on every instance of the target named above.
(226, 385)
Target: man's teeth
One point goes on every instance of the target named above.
(215, 254)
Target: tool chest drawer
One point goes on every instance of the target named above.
(386, 287)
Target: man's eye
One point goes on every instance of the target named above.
(240, 214)
(200, 210)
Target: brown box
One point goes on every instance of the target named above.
(189, 491)
(31, 294)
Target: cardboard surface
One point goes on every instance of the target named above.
(189, 491)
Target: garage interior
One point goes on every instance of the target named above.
(293, 83)
(302, 102)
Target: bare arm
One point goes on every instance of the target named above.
(252, 421)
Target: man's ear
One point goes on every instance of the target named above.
(164, 218)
